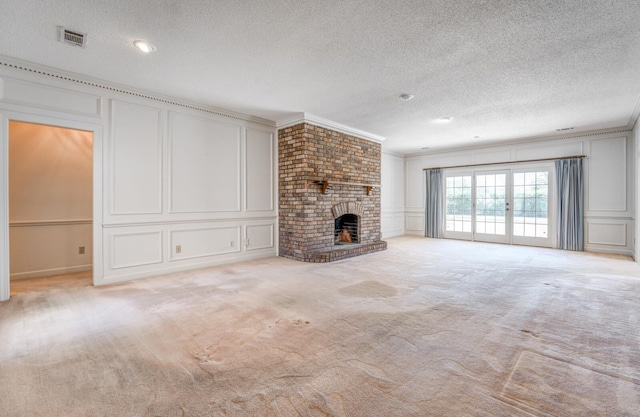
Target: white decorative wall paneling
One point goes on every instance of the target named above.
(127, 249)
(50, 98)
(392, 195)
(609, 236)
(607, 175)
(169, 166)
(392, 223)
(607, 232)
(203, 242)
(206, 165)
(415, 184)
(550, 150)
(136, 159)
(259, 236)
(415, 223)
(260, 163)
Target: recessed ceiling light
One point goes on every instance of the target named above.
(444, 120)
(406, 97)
(145, 46)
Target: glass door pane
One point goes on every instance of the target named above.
(491, 206)
(458, 208)
(531, 224)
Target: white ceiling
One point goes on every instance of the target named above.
(502, 69)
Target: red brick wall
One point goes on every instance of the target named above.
(309, 153)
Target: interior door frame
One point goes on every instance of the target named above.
(69, 123)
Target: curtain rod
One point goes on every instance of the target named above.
(508, 162)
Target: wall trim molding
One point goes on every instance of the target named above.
(327, 124)
(635, 116)
(198, 221)
(61, 222)
(42, 70)
(51, 272)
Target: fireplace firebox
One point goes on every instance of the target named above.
(346, 229)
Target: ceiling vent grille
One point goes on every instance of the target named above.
(72, 37)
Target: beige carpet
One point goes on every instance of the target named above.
(426, 328)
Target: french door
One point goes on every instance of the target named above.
(491, 202)
(502, 206)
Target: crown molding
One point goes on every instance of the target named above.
(523, 141)
(327, 124)
(18, 65)
(635, 116)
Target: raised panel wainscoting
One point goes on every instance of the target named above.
(164, 174)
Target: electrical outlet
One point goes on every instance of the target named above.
(81, 250)
(179, 249)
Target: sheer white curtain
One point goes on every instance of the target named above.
(433, 207)
(570, 204)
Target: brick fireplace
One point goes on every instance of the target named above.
(328, 180)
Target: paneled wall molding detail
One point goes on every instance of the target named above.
(606, 233)
(32, 223)
(260, 236)
(86, 81)
(205, 162)
(204, 242)
(327, 124)
(185, 222)
(135, 249)
(51, 98)
(135, 159)
(146, 182)
(607, 166)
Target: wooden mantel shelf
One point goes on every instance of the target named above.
(326, 184)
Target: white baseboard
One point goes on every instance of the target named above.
(50, 272)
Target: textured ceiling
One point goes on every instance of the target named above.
(502, 69)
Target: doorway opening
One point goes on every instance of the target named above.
(50, 201)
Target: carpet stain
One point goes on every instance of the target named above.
(531, 333)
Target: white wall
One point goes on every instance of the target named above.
(50, 200)
(609, 182)
(392, 195)
(166, 174)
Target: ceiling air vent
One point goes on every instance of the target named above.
(72, 37)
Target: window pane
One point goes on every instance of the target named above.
(518, 178)
(458, 203)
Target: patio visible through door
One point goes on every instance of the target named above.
(502, 206)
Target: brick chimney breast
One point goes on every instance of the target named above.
(307, 155)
